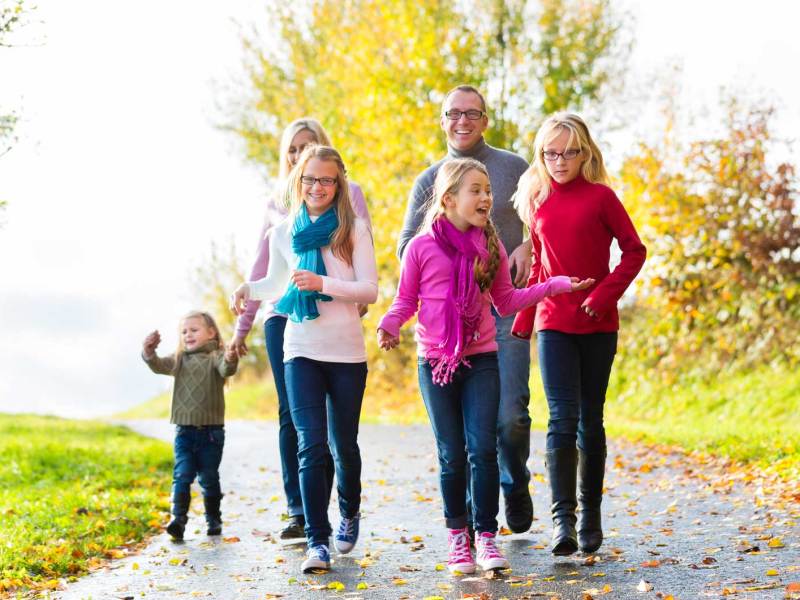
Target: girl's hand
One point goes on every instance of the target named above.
(238, 345)
(590, 311)
(239, 299)
(150, 344)
(306, 281)
(386, 340)
(578, 285)
(231, 355)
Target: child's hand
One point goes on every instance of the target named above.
(578, 285)
(237, 343)
(386, 340)
(150, 344)
(239, 299)
(231, 355)
(306, 281)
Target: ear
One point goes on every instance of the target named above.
(448, 201)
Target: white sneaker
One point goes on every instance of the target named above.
(317, 557)
(489, 556)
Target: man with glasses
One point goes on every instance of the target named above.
(463, 120)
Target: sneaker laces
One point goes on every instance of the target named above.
(346, 527)
(459, 546)
(487, 547)
(318, 552)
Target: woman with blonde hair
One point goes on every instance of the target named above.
(574, 216)
(299, 134)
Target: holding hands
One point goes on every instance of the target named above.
(237, 344)
(239, 299)
(231, 355)
(150, 344)
(386, 340)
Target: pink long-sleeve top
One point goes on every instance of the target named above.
(275, 214)
(425, 277)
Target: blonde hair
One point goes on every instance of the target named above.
(535, 184)
(449, 179)
(292, 129)
(209, 322)
(342, 238)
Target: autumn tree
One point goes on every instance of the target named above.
(720, 220)
(374, 73)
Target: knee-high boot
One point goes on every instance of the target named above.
(562, 469)
(213, 514)
(591, 468)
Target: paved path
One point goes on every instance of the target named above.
(672, 528)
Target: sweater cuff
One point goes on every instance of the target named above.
(390, 326)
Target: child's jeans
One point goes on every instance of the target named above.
(575, 370)
(198, 452)
(463, 415)
(312, 386)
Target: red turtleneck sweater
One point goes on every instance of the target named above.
(571, 234)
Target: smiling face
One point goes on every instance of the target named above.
(463, 133)
(471, 204)
(302, 138)
(563, 170)
(195, 332)
(318, 197)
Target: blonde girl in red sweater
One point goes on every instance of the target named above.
(574, 217)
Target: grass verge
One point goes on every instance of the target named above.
(73, 493)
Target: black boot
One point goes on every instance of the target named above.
(213, 515)
(519, 511)
(591, 468)
(562, 466)
(180, 508)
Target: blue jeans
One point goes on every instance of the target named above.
(198, 452)
(274, 328)
(575, 370)
(463, 415)
(513, 419)
(326, 396)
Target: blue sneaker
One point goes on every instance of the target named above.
(347, 536)
(317, 557)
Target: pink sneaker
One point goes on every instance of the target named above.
(460, 556)
(489, 557)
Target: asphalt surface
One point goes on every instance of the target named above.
(673, 527)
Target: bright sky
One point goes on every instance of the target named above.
(120, 180)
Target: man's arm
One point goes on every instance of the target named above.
(415, 210)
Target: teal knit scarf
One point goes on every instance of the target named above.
(307, 239)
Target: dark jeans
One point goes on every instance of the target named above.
(575, 370)
(274, 328)
(198, 452)
(326, 396)
(463, 415)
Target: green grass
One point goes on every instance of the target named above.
(72, 492)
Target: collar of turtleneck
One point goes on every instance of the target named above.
(475, 152)
(570, 185)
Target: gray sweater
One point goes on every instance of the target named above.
(505, 169)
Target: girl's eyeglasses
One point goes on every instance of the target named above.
(551, 156)
(323, 181)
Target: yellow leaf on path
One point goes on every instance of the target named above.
(135, 566)
(416, 538)
(607, 588)
(336, 585)
(399, 581)
(362, 586)
(772, 572)
(231, 540)
(439, 567)
(433, 598)
(445, 587)
(504, 531)
(775, 542)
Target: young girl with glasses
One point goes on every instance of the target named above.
(200, 365)
(574, 216)
(297, 135)
(323, 262)
(453, 270)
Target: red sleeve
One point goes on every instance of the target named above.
(605, 295)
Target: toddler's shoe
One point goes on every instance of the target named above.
(317, 557)
(347, 535)
(489, 556)
(459, 558)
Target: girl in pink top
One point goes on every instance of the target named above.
(452, 271)
(297, 135)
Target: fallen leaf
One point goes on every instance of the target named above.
(651, 563)
(399, 581)
(231, 540)
(644, 586)
(775, 542)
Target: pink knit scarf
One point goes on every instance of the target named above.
(462, 310)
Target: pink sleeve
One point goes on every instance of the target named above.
(508, 300)
(258, 271)
(359, 203)
(406, 301)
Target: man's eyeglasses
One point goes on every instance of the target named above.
(323, 181)
(473, 114)
(551, 156)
